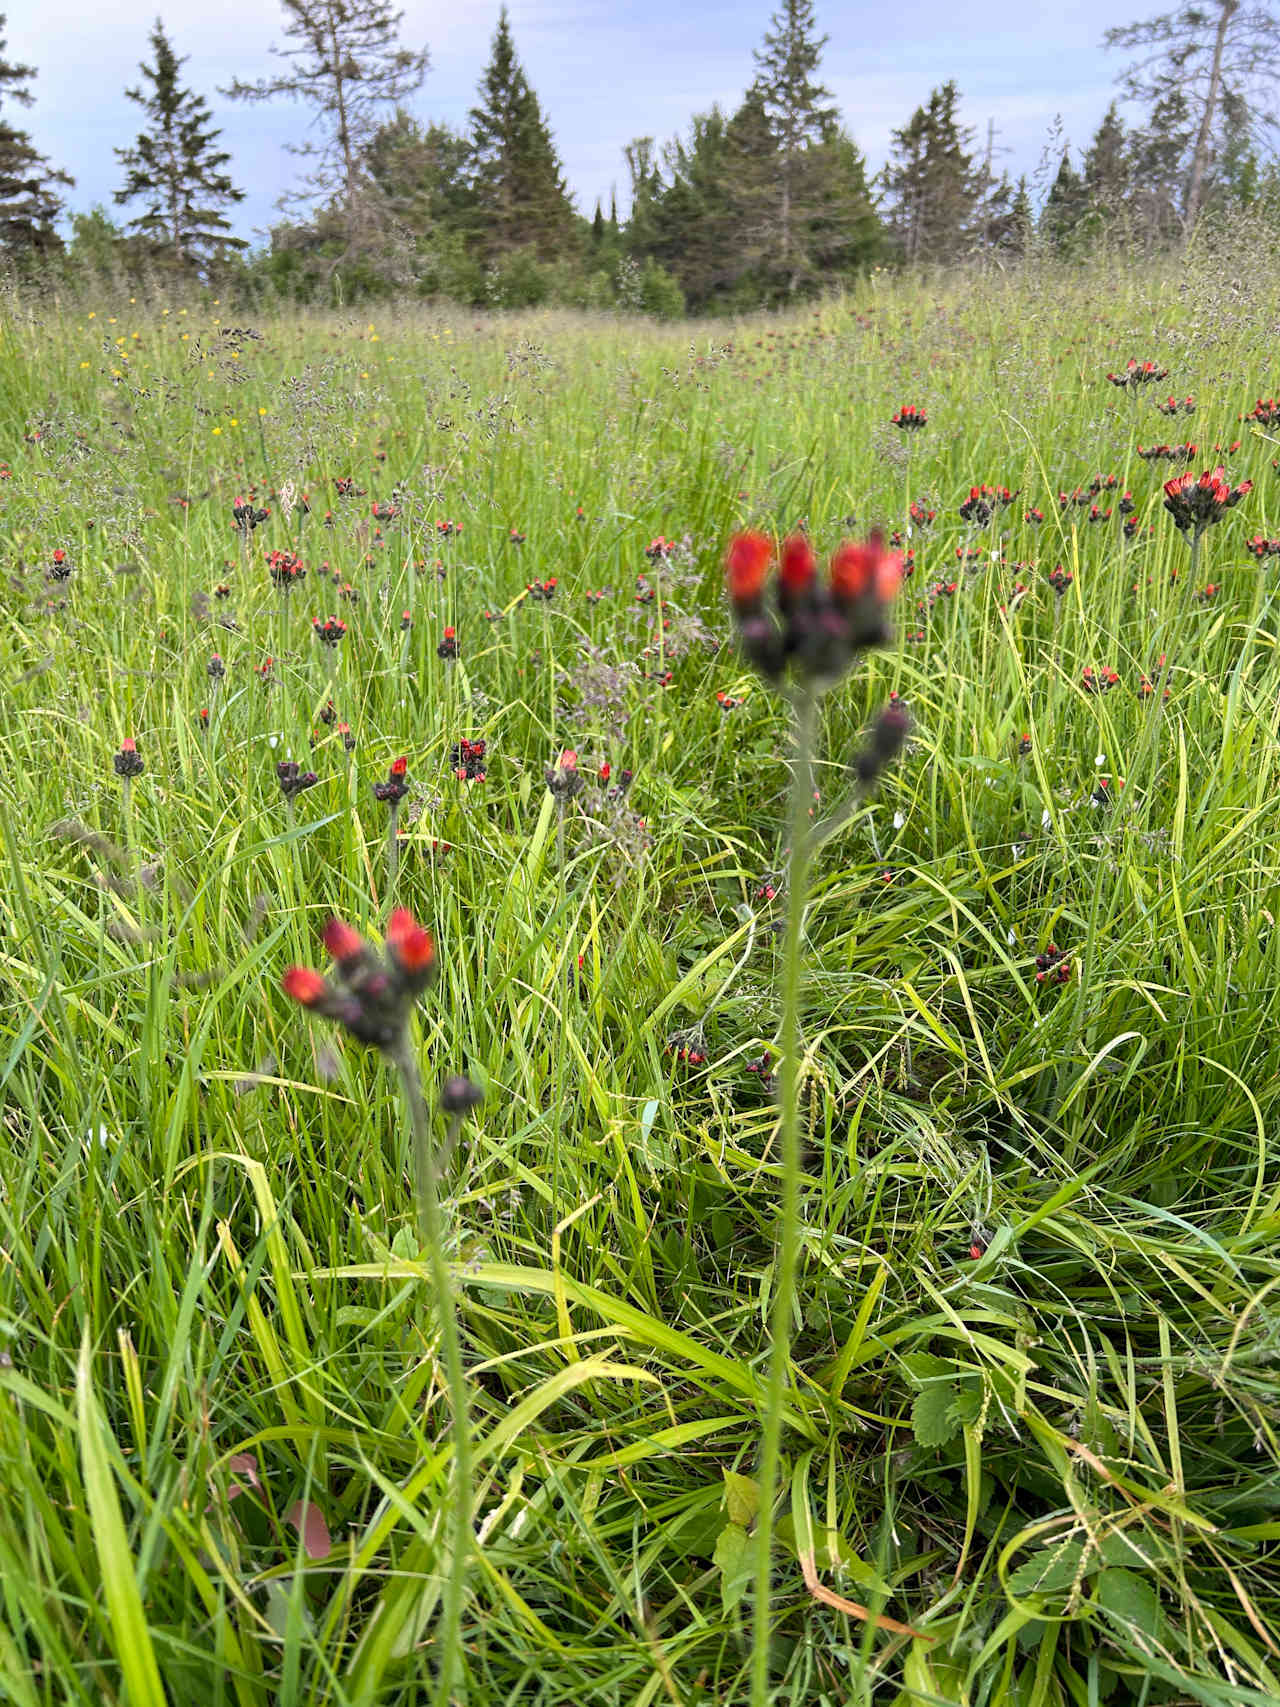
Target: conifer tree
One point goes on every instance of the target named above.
(518, 192)
(935, 191)
(29, 201)
(1106, 168)
(417, 172)
(176, 167)
(1223, 58)
(344, 61)
(801, 118)
(1064, 208)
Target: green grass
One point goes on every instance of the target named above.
(1057, 1463)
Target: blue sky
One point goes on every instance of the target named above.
(605, 72)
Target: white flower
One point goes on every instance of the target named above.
(898, 820)
(273, 740)
(1046, 818)
(1100, 760)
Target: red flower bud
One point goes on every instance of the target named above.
(342, 941)
(305, 985)
(797, 564)
(746, 566)
(409, 944)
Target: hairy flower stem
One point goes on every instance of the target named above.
(431, 1232)
(1147, 763)
(393, 846)
(804, 707)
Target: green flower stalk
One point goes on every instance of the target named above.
(372, 996)
(806, 633)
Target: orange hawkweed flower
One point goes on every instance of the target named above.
(747, 567)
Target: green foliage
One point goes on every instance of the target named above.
(1030, 1412)
(176, 169)
(517, 197)
(29, 199)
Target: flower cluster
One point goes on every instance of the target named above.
(467, 759)
(1265, 413)
(448, 647)
(814, 627)
(216, 668)
(659, 548)
(394, 789)
(564, 778)
(59, 567)
(246, 516)
(1098, 681)
(1052, 967)
(293, 779)
(286, 569)
(909, 419)
(1136, 373)
(1176, 406)
(542, 589)
(1167, 453)
(1195, 504)
(330, 631)
(983, 501)
(919, 516)
(1262, 548)
(128, 761)
(371, 994)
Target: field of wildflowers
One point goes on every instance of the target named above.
(519, 1183)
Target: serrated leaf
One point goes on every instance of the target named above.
(966, 1402)
(931, 1418)
(923, 1366)
(1130, 1598)
(741, 1498)
(1052, 1570)
(731, 1558)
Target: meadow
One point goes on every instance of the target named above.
(1029, 1430)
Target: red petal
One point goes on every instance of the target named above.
(797, 563)
(410, 945)
(304, 984)
(746, 565)
(342, 941)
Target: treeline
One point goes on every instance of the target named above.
(755, 207)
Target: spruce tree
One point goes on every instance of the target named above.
(175, 167)
(345, 62)
(801, 118)
(29, 202)
(418, 173)
(1106, 168)
(1064, 209)
(518, 194)
(934, 188)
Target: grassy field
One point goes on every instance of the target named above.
(1033, 1405)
